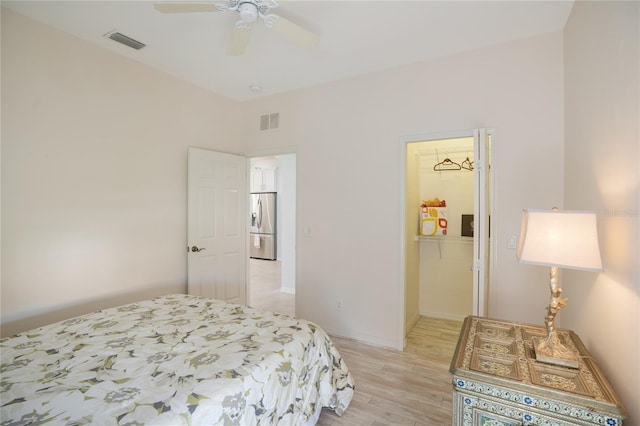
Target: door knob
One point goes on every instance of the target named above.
(195, 249)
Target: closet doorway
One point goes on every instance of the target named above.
(446, 229)
(272, 272)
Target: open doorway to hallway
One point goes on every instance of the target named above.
(266, 293)
(272, 257)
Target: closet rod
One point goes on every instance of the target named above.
(442, 151)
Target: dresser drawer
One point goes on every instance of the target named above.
(469, 410)
(474, 410)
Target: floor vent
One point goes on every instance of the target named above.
(123, 39)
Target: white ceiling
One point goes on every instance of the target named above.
(356, 37)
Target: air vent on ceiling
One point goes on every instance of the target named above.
(123, 39)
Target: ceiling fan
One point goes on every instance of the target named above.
(249, 11)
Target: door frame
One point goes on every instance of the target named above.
(270, 153)
(478, 292)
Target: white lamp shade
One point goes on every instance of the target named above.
(567, 239)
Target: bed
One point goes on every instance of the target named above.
(172, 360)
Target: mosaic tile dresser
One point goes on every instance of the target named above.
(498, 382)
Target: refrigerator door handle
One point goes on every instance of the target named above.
(259, 214)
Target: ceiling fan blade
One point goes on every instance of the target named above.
(239, 41)
(185, 7)
(298, 35)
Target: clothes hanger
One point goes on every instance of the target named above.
(447, 164)
(467, 164)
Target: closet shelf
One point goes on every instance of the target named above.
(448, 238)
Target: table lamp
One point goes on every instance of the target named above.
(558, 239)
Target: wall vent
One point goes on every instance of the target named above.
(270, 121)
(126, 40)
(264, 122)
(274, 120)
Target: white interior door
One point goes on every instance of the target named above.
(216, 225)
(481, 146)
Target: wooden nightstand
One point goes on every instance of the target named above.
(498, 382)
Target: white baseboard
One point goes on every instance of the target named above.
(411, 323)
(287, 290)
(361, 338)
(443, 315)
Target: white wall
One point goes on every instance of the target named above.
(94, 154)
(602, 162)
(287, 221)
(348, 139)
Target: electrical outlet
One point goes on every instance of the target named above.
(512, 242)
(339, 305)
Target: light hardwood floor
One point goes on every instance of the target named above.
(264, 287)
(401, 388)
(409, 388)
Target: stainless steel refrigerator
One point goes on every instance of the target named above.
(262, 234)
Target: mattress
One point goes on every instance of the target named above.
(172, 360)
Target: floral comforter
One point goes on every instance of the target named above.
(172, 360)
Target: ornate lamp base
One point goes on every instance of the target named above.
(551, 351)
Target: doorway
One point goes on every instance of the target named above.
(271, 279)
(445, 246)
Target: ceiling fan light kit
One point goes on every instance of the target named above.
(248, 13)
(250, 10)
